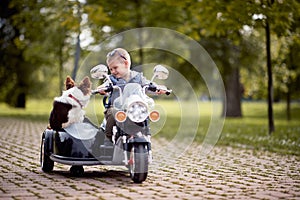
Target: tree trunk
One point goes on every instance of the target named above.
(21, 100)
(233, 94)
(77, 57)
(288, 105)
(270, 79)
(139, 24)
(60, 69)
(17, 95)
(78, 48)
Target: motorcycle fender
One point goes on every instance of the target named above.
(138, 139)
(48, 136)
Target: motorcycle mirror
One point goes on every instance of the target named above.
(99, 71)
(160, 72)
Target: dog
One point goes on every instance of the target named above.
(68, 108)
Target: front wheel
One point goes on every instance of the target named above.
(138, 163)
(46, 163)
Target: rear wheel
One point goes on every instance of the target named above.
(138, 163)
(46, 163)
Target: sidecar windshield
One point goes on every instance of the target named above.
(129, 90)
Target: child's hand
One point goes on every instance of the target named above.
(160, 92)
(102, 90)
(161, 89)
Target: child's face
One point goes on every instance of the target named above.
(118, 68)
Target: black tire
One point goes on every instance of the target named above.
(138, 163)
(46, 163)
(77, 170)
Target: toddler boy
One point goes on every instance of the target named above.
(119, 62)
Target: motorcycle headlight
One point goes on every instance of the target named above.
(137, 112)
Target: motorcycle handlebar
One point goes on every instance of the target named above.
(168, 92)
(93, 92)
(151, 87)
(105, 89)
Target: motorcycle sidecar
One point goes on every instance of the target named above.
(76, 145)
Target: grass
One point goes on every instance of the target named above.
(251, 131)
(36, 110)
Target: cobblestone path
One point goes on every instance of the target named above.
(226, 173)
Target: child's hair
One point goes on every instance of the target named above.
(118, 53)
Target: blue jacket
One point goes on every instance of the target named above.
(136, 77)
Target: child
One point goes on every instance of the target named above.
(119, 63)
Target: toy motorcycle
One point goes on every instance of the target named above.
(83, 143)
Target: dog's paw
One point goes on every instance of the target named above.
(65, 125)
(48, 126)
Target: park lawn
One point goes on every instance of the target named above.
(251, 131)
(36, 110)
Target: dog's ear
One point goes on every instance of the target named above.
(85, 85)
(69, 83)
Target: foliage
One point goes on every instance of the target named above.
(41, 36)
(286, 71)
(25, 50)
(17, 50)
(234, 19)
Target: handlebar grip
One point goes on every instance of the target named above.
(100, 91)
(168, 92)
(109, 88)
(152, 87)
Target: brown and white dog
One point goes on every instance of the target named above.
(68, 108)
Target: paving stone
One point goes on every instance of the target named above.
(225, 173)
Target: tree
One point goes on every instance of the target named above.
(21, 29)
(276, 16)
(286, 69)
(135, 14)
(220, 28)
(37, 39)
(227, 19)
